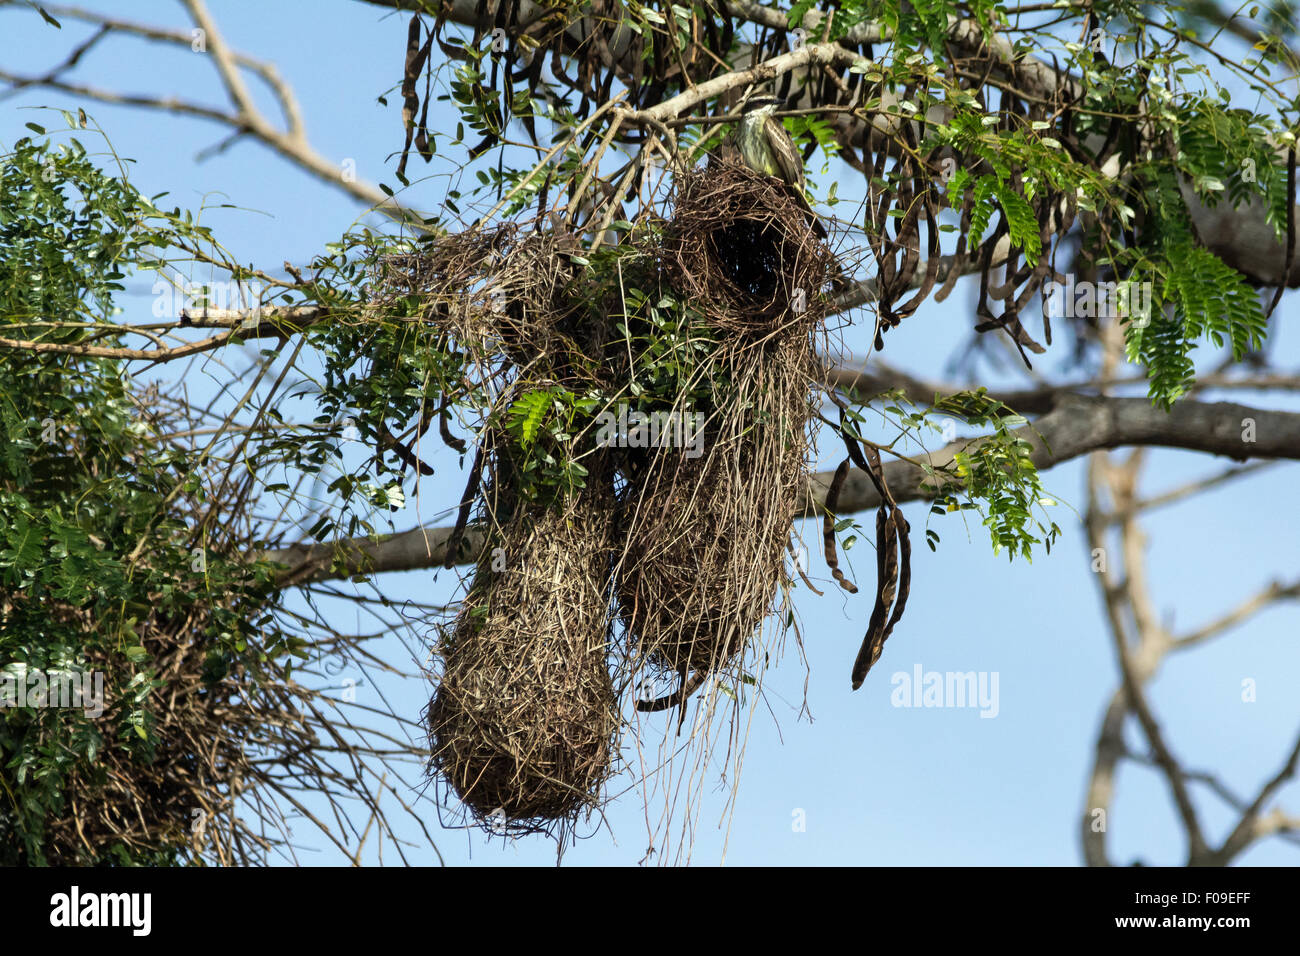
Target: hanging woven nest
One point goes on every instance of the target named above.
(523, 722)
(706, 538)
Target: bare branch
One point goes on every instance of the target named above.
(244, 118)
(1251, 827)
(1275, 592)
(271, 321)
(1196, 487)
(226, 66)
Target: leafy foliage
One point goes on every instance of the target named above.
(94, 545)
(995, 472)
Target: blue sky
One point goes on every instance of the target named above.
(873, 783)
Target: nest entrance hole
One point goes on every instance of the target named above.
(749, 253)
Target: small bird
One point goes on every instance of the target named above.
(767, 148)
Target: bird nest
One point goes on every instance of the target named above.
(686, 552)
(523, 721)
(505, 291)
(746, 251)
(705, 538)
(180, 748)
(179, 799)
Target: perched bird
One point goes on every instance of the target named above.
(767, 148)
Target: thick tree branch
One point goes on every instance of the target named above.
(1031, 401)
(1076, 426)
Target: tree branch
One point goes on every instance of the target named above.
(1276, 591)
(245, 118)
(1251, 827)
(1076, 426)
